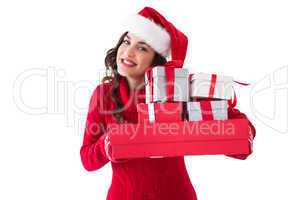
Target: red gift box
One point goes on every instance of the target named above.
(228, 137)
(159, 112)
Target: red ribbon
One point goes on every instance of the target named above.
(212, 85)
(206, 110)
(170, 79)
(174, 63)
(150, 83)
(232, 102)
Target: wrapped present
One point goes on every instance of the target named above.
(207, 110)
(166, 84)
(210, 86)
(228, 137)
(159, 112)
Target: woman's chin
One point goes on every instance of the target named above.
(123, 72)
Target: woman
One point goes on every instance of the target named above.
(114, 101)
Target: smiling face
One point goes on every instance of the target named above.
(134, 57)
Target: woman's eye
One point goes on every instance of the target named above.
(143, 49)
(126, 42)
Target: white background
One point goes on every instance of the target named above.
(51, 58)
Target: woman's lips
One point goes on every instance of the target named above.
(127, 63)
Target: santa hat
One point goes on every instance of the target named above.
(159, 33)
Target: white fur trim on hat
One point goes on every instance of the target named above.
(153, 34)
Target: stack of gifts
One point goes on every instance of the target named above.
(169, 91)
(166, 90)
(216, 88)
(194, 106)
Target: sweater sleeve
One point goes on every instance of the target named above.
(92, 151)
(236, 114)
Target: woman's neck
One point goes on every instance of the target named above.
(135, 83)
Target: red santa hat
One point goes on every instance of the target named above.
(159, 33)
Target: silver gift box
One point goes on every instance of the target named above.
(218, 108)
(181, 85)
(201, 83)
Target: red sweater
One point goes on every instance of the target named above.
(136, 179)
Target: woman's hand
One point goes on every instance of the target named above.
(107, 147)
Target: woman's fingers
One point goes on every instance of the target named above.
(107, 148)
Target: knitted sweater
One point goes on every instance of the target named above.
(136, 179)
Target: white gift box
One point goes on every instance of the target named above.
(207, 110)
(211, 86)
(160, 82)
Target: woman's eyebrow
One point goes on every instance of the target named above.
(141, 42)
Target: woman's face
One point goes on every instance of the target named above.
(134, 57)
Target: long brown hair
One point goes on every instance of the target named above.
(112, 75)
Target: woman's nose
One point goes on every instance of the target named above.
(129, 51)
